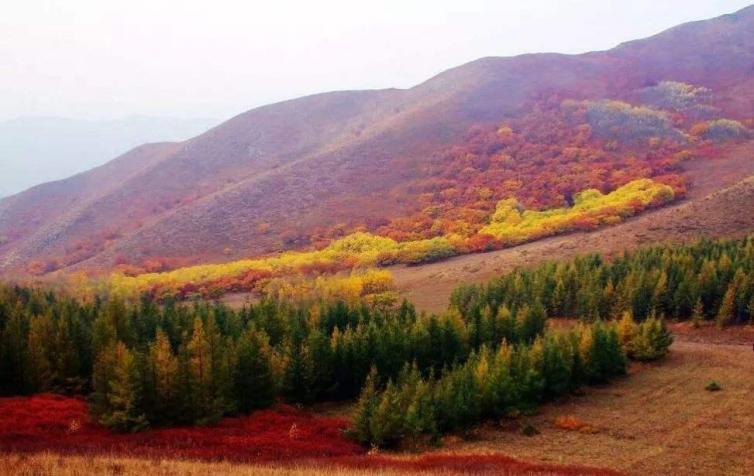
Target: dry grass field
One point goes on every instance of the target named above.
(659, 420)
(43, 464)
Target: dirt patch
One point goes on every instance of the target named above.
(708, 332)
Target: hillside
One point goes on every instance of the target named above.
(299, 173)
(42, 149)
(707, 214)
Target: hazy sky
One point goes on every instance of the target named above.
(216, 58)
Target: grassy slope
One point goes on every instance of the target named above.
(709, 212)
(448, 464)
(660, 420)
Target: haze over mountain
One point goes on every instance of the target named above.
(265, 179)
(41, 149)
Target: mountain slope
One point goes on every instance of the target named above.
(724, 213)
(41, 149)
(269, 178)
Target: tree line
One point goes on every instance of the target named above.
(491, 353)
(502, 380)
(708, 280)
(148, 364)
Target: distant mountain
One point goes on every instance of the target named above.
(272, 177)
(35, 150)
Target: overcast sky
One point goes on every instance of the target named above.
(215, 58)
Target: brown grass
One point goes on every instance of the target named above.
(447, 464)
(49, 463)
(572, 423)
(659, 420)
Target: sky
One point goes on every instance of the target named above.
(94, 59)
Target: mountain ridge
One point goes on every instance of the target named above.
(330, 158)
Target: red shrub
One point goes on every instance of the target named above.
(62, 424)
(284, 435)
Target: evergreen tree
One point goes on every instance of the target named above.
(652, 341)
(66, 362)
(40, 341)
(532, 322)
(317, 362)
(366, 407)
(697, 315)
(725, 315)
(202, 380)
(13, 355)
(627, 330)
(254, 384)
(163, 365)
(386, 425)
(122, 399)
(556, 366)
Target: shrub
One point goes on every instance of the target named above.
(721, 130)
(713, 386)
(591, 208)
(527, 429)
(572, 423)
(619, 120)
(674, 95)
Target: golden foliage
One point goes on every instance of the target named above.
(591, 209)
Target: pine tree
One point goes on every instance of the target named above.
(725, 315)
(507, 325)
(221, 350)
(558, 299)
(627, 330)
(66, 363)
(102, 374)
(253, 380)
(600, 358)
(420, 414)
(556, 366)
(40, 341)
(506, 393)
(659, 294)
(164, 367)
(187, 410)
(386, 426)
(365, 409)
(123, 412)
(14, 375)
(200, 365)
(697, 316)
(103, 333)
(531, 322)
(317, 363)
(653, 340)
